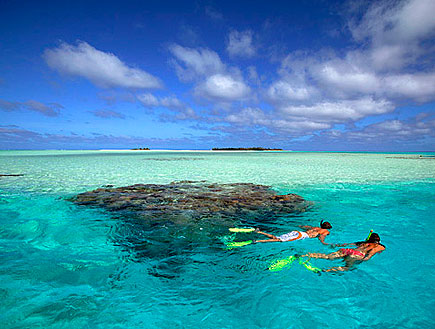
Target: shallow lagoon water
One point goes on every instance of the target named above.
(64, 265)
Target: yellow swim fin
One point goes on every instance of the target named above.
(281, 264)
(231, 245)
(241, 230)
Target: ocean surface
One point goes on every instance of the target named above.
(69, 266)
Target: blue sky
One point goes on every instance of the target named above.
(298, 75)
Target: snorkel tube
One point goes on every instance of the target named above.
(370, 234)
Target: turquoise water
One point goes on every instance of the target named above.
(66, 266)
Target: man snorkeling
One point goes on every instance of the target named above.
(364, 251)
(310, 232)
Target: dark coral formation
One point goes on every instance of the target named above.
(194, 198)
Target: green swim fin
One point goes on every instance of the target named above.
(310, 267)
(231, 245)
(282, 263)
(241, 230)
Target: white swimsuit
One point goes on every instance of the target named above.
(293, 235)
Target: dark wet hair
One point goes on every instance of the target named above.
(325, 225)
(374, 237)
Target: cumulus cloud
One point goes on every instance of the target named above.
(282, 92)
(149, 100)
(192, 63)
(395, 130)
(50, 109)
(345, 79)
(340, 111)
(254, 116)
(214, 81)
(248, 115)
(396, 22)
(102, 69)
(394, 30)
(389, 63)
(183, 112)
(417, 86)
(240, 44)
(222, 87)
(385, 68)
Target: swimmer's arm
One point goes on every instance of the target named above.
(322, 239)
(305, 226)
(370, 254)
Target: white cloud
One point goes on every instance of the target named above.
(149, 100)
(186, 114)
(102, 69)
(395, 130)
(346, 80)
(403, 21)
(214, 81)
(172, 103)
(255, 116)
(302, 125)
(419, 86)
(240, 44)
(314, 91)
(193, 63)
(253, 75)
(223, 87)
(394, 31)
(248, 116)
(282, 92)
(340, 111)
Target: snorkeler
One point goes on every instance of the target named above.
(311, 232)
(364, 251)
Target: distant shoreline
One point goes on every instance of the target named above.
(244, 149)
(209, 150)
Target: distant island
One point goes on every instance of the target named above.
(244, 149)
(141, 149)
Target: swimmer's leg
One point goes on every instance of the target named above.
(267, 234)
(272, 237)
(333, 255)
(269, 240)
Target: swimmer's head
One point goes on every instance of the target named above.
(325, 225)
(374, 238)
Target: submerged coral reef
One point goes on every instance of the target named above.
(194, 198)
